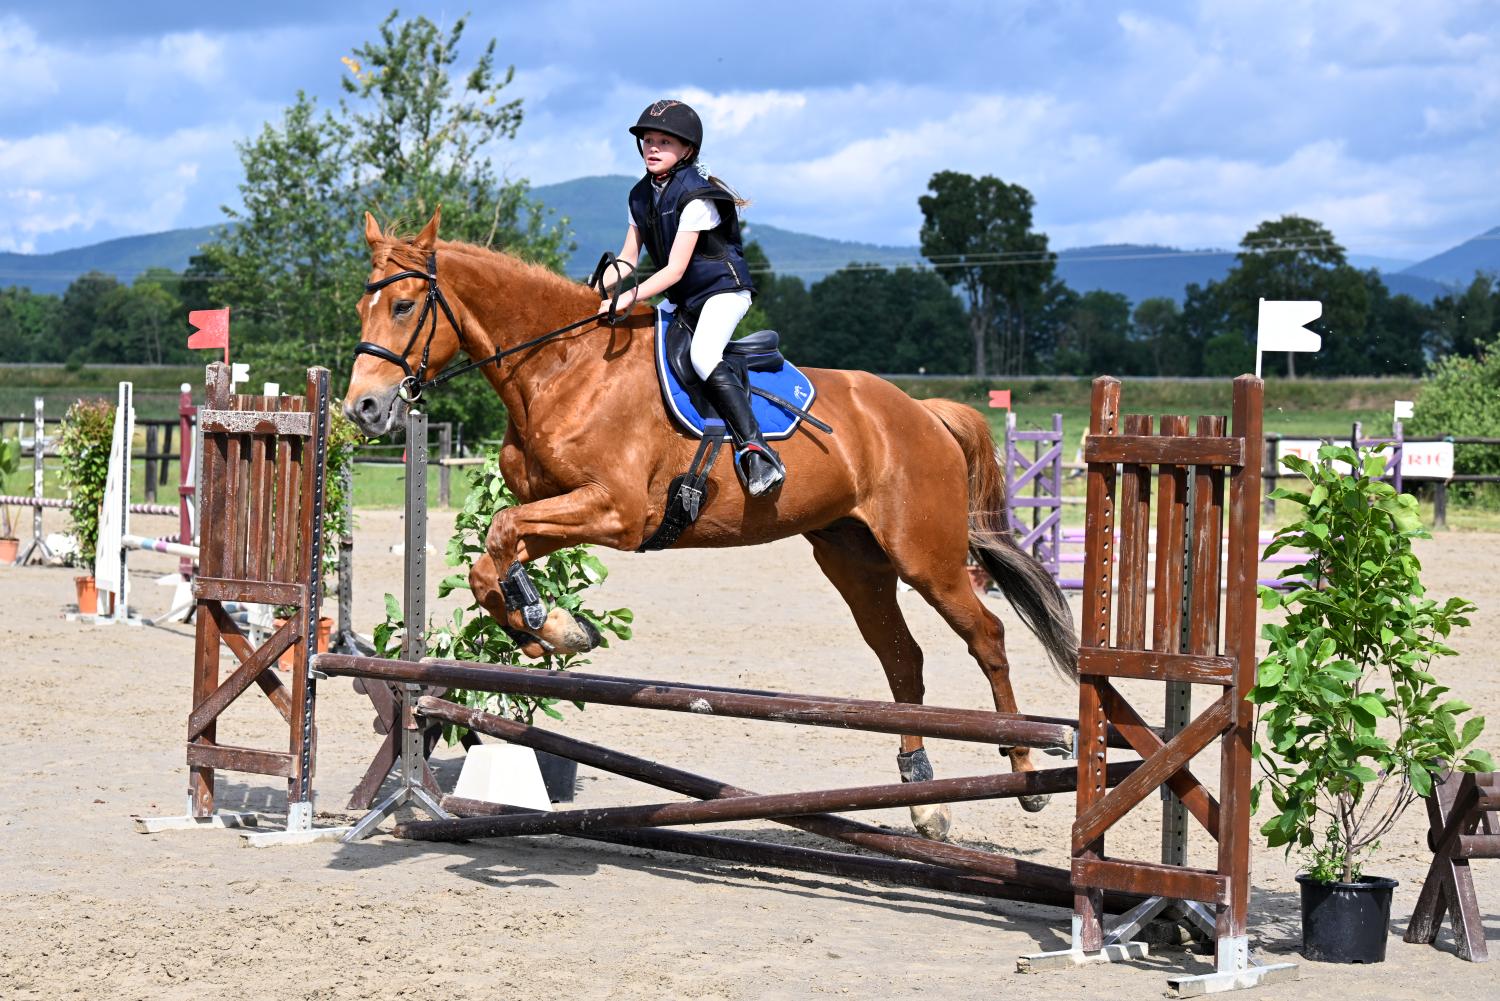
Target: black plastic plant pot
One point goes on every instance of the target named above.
(559, 775)
(1346, 922)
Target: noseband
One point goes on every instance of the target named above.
(415, 383)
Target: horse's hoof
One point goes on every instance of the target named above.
(1034, 804)
(590, 630)
(933, 822)
(569, 634)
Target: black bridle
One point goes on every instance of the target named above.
(415, 383)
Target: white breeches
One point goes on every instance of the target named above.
(716, 322)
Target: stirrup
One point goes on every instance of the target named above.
(754, 448)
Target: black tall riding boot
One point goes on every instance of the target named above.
(759, 467)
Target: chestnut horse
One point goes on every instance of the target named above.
(903, 489)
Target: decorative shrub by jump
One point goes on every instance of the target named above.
(87, 429)
(10, 464)
(344, 440)
(1354, 724)
(472, 635)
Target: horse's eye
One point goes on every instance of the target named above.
(403, 306)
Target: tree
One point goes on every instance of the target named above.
(865, 317)
(977, 233)
(28, 324)
(291, 268)
(1205, 315)
(406, 138)
(1461, 397)
(1100, 323)
(1396, 330)
(1157, 326)
(82, 316)
(1297, 258)
(1464, 323)
(781, 301)
(427, 144)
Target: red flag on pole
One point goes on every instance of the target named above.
(211, 330)
(1000, 398)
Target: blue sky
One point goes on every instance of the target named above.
(1175, 123)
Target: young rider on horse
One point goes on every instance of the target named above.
(687, 221)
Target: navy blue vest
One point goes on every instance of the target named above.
(718, 262)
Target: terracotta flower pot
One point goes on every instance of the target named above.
(8, 550)
(88, 595)
(287, 659)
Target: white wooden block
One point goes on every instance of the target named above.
(503, 773)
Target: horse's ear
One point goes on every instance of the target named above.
(427, 239)
(373, 236)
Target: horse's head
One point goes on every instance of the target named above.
(407, 328)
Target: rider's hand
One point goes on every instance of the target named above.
(627, 300)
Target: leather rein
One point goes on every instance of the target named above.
(415, 383)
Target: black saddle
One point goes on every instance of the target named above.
(757, 352)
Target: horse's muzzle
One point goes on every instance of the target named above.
(375, 413)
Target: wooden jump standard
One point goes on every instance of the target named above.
(262, 522)
(1183, 649)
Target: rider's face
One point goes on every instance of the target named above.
(662, 151)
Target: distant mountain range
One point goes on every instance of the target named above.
(595, 209)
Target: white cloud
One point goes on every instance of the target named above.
(732, 113)
(101, 178)
(197, 56)
(26, 75)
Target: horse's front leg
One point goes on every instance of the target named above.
(530, 531)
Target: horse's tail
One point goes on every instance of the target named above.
(1026, 584)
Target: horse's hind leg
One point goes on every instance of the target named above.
(855, 564)
(934, 566)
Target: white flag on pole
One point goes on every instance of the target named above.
(1403, 410)
(1282, 326)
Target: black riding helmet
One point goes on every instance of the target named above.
(673, 118)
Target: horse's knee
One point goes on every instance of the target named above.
(500, 540)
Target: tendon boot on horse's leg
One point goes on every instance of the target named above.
(932, 821)
(1020, 761)
(759, 467)
(557, 631)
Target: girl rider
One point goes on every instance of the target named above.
(687, 221)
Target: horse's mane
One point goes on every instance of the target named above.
(402, 253)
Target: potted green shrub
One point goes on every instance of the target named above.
(1352, 725)
(87, 430)
(10, 464)
(472, 635)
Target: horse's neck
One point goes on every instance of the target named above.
(512, 303)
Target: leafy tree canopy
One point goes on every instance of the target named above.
(411, 133)
(977, 232)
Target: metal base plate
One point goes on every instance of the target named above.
(307, 836)
(1068, 959)
(222, 819)
(1232, 980)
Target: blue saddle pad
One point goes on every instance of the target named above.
(787, 382)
